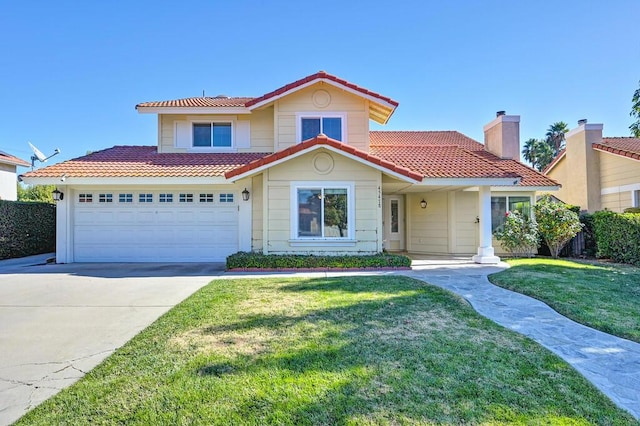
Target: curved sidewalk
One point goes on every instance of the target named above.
(612, 364)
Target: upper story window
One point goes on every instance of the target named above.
(311, 125)
(212, 135)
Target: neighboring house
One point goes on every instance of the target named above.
(8, 176)
(597, 173)
(293, 171)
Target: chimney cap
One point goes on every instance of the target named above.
(499, 113)
(582, 121)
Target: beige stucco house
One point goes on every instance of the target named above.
(296, 170)
(8, 176)
(596, 172)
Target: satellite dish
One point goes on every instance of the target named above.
(38, 155)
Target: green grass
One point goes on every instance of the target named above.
(603, 296)
(331, 351)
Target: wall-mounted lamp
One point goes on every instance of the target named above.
(423, 204)
(57, 195)
(245, 195)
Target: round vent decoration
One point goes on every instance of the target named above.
(321, 98)
(323, 163)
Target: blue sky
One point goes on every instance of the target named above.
(71, 73)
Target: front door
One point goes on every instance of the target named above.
(394, 223)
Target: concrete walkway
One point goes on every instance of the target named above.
(612, 364)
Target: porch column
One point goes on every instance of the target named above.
(485, 250)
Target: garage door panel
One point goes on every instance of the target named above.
(154, 233)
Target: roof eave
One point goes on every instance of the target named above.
(512, 182)
(531, 188)
(554, 163)
(192, 110)
(384, 104)
(126, 180)
(312, 148)
(19, 163)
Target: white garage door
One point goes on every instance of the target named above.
(135, 226)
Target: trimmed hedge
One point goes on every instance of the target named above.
(244, 260)
(26, 228)
(618, 236)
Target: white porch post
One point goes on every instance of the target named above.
(485, 250)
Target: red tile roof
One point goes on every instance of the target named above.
(433, 161)
(10, 159)
(211, 102)
(449, 154)
(432, 138)
(411, 154)
(380, 109)
(145, 161)
(625, 146)
(318, 76)
(324, 140)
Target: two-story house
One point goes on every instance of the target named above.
(597, 172)
(296, 170)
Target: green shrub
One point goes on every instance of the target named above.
(26, 228)
(519, 235)
(557, 224)
(618, 236)
(632, 210)
(590, 248)
(244, 260)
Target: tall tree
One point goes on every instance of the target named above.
(635, 113)
(40, 193)
(538, 153)
(555, 136)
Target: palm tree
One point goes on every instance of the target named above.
(529, 150)
(538, 153)
(555, 136)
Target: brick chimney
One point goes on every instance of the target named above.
(502, 136)
(583, 165)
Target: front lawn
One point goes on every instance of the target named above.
(603, 296)
(349, 350)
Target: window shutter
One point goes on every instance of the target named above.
(243, 134)
(183, 134)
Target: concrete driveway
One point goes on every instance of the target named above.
(59, 321)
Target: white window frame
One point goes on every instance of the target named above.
(323, 241)
(232, 147)
(186, 197)
(315, 114)
(507, 197)
(125, 198)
